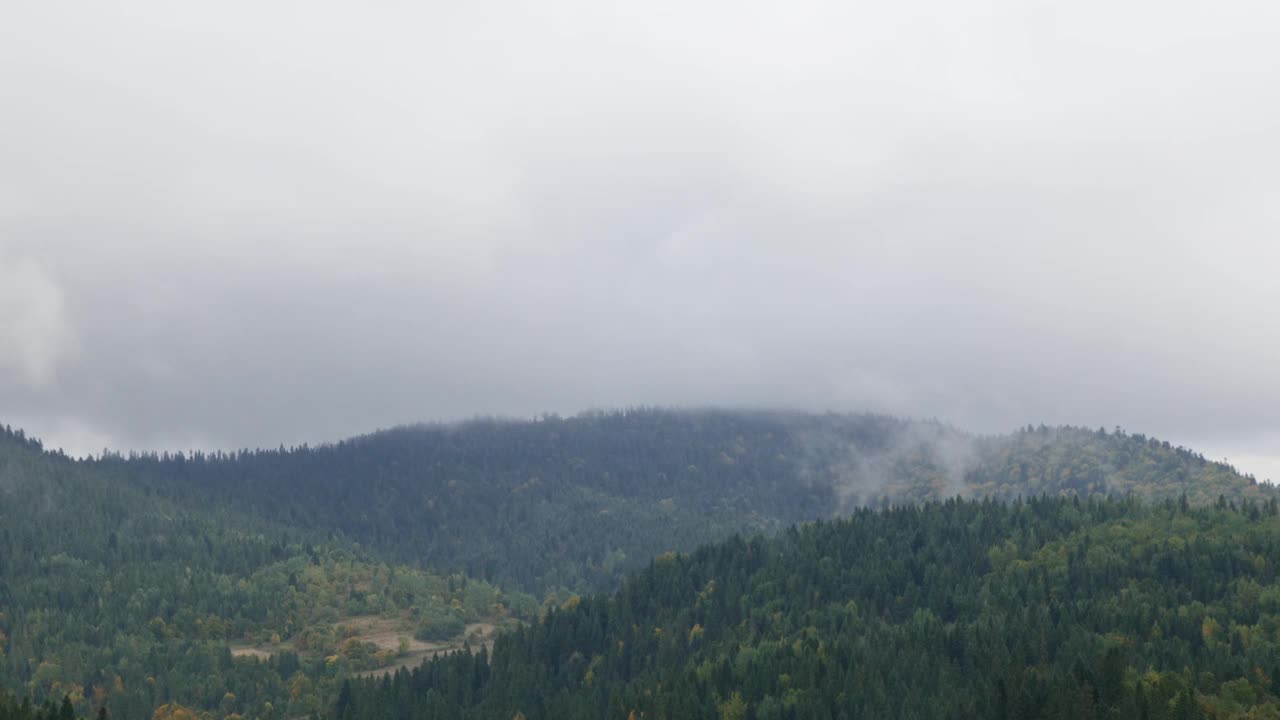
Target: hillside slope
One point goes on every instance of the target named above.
(576, 503)
(1053, 608)
(113, 596)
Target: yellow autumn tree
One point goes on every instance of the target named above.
(734, 708)
(1209, 629)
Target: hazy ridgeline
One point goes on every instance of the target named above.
(576, 503)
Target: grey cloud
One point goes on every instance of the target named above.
(35, 333)
(291, 222)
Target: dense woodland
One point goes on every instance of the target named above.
(577, 503)
(11, 708)
(136, 583)
(1049, 608)
(111, 597)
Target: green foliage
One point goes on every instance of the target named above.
(113, 595)
(1062, 461)
(1048, 608)
(222, 582)
(578, 503)
(442, 628)
(11, 708)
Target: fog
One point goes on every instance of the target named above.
(253, 224)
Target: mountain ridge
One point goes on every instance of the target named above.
(458, 495)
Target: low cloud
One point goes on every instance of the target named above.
(36, 336)
(273, 225)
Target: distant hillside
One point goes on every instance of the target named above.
(1065, 460)
(575, 503)
(1050, 608)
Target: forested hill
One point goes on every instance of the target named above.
(575, 503)
(1050, 608)
(252, 584)
(110, 596)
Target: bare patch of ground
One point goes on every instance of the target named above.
(262, 653)
(477, 634)
(381, 631)
(386, 633)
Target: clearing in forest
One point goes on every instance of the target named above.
(391, 637)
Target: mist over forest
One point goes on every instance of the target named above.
(554, 360)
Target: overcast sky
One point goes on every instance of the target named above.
(254, 223)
